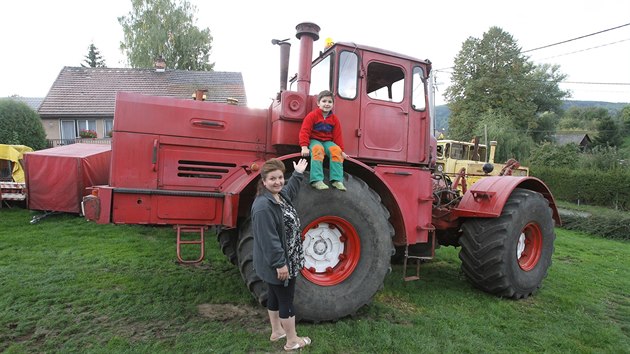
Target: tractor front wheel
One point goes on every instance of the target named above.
(509, 256)
(347, 241)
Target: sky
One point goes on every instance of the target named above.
(40, 37)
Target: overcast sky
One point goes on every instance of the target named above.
(40, 37)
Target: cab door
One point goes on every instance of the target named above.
(384, 122)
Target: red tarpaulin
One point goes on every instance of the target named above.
(57, 178)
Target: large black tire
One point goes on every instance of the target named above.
(360, 220)
(228, 241)
(246, 263)
(509, 256)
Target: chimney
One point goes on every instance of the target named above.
(160, 64)
(200, 95)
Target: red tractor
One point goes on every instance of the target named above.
(195, 164)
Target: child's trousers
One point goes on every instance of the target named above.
(319, 149)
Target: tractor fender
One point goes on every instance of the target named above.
(242, 189)
(487, 197)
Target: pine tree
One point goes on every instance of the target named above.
(93, 59)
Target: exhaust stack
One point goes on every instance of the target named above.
(285, 50)
(307, 33)
(493, 149)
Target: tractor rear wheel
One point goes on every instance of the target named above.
(509, 256)
(347, 242)
(228, 240)
(245, 260)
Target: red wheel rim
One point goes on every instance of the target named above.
(529, 247)
(332, 250)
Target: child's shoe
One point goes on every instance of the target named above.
(339, 185)
(319, 185)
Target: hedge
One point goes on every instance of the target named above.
(610, 189)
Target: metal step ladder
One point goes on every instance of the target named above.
(418, 259)
(190, 229)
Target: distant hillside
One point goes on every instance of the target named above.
(613, 108)
(443, 112)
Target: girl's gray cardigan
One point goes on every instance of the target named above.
(268, 228)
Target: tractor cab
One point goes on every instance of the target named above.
(381, 99)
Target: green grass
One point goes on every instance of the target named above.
(67, 285)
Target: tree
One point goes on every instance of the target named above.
(20, 125)
(583, 118)
(608, 133)
(624, 118)
(165, 29)
(510, 143)
(491, 74)
(93, 59)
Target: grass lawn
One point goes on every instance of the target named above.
(67, 285)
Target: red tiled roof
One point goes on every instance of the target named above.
(79, 91)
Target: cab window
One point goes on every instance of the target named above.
(385, 82)
(321, 76)
(418, 94)
(348, 68)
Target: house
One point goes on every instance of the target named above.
(85, 98)
(582, 140)
(32, 102)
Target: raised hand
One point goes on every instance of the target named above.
(300, 166)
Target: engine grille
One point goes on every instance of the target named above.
(203, 169)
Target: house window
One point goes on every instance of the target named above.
(70, 128)
(385, 82)
(109, 127)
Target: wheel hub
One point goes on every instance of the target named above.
(529, 247)
(332, 250)
(520, 247)
(322, 247)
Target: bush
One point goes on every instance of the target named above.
(548, 154)
(20, 125)
(613, 225)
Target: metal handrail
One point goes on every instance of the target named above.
(60, 142)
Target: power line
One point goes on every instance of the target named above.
(583, 50)
(573, 39)
(445, 69)
(575, 82)
(596, 83)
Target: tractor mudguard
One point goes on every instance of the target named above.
(244, 180)
(487, 197)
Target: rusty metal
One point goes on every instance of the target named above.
(190, 229)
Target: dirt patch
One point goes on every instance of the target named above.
(254, 318)
(225, 312)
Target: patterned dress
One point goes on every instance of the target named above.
(292, 229)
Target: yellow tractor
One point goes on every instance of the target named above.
(12, 182)
(467, 162)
